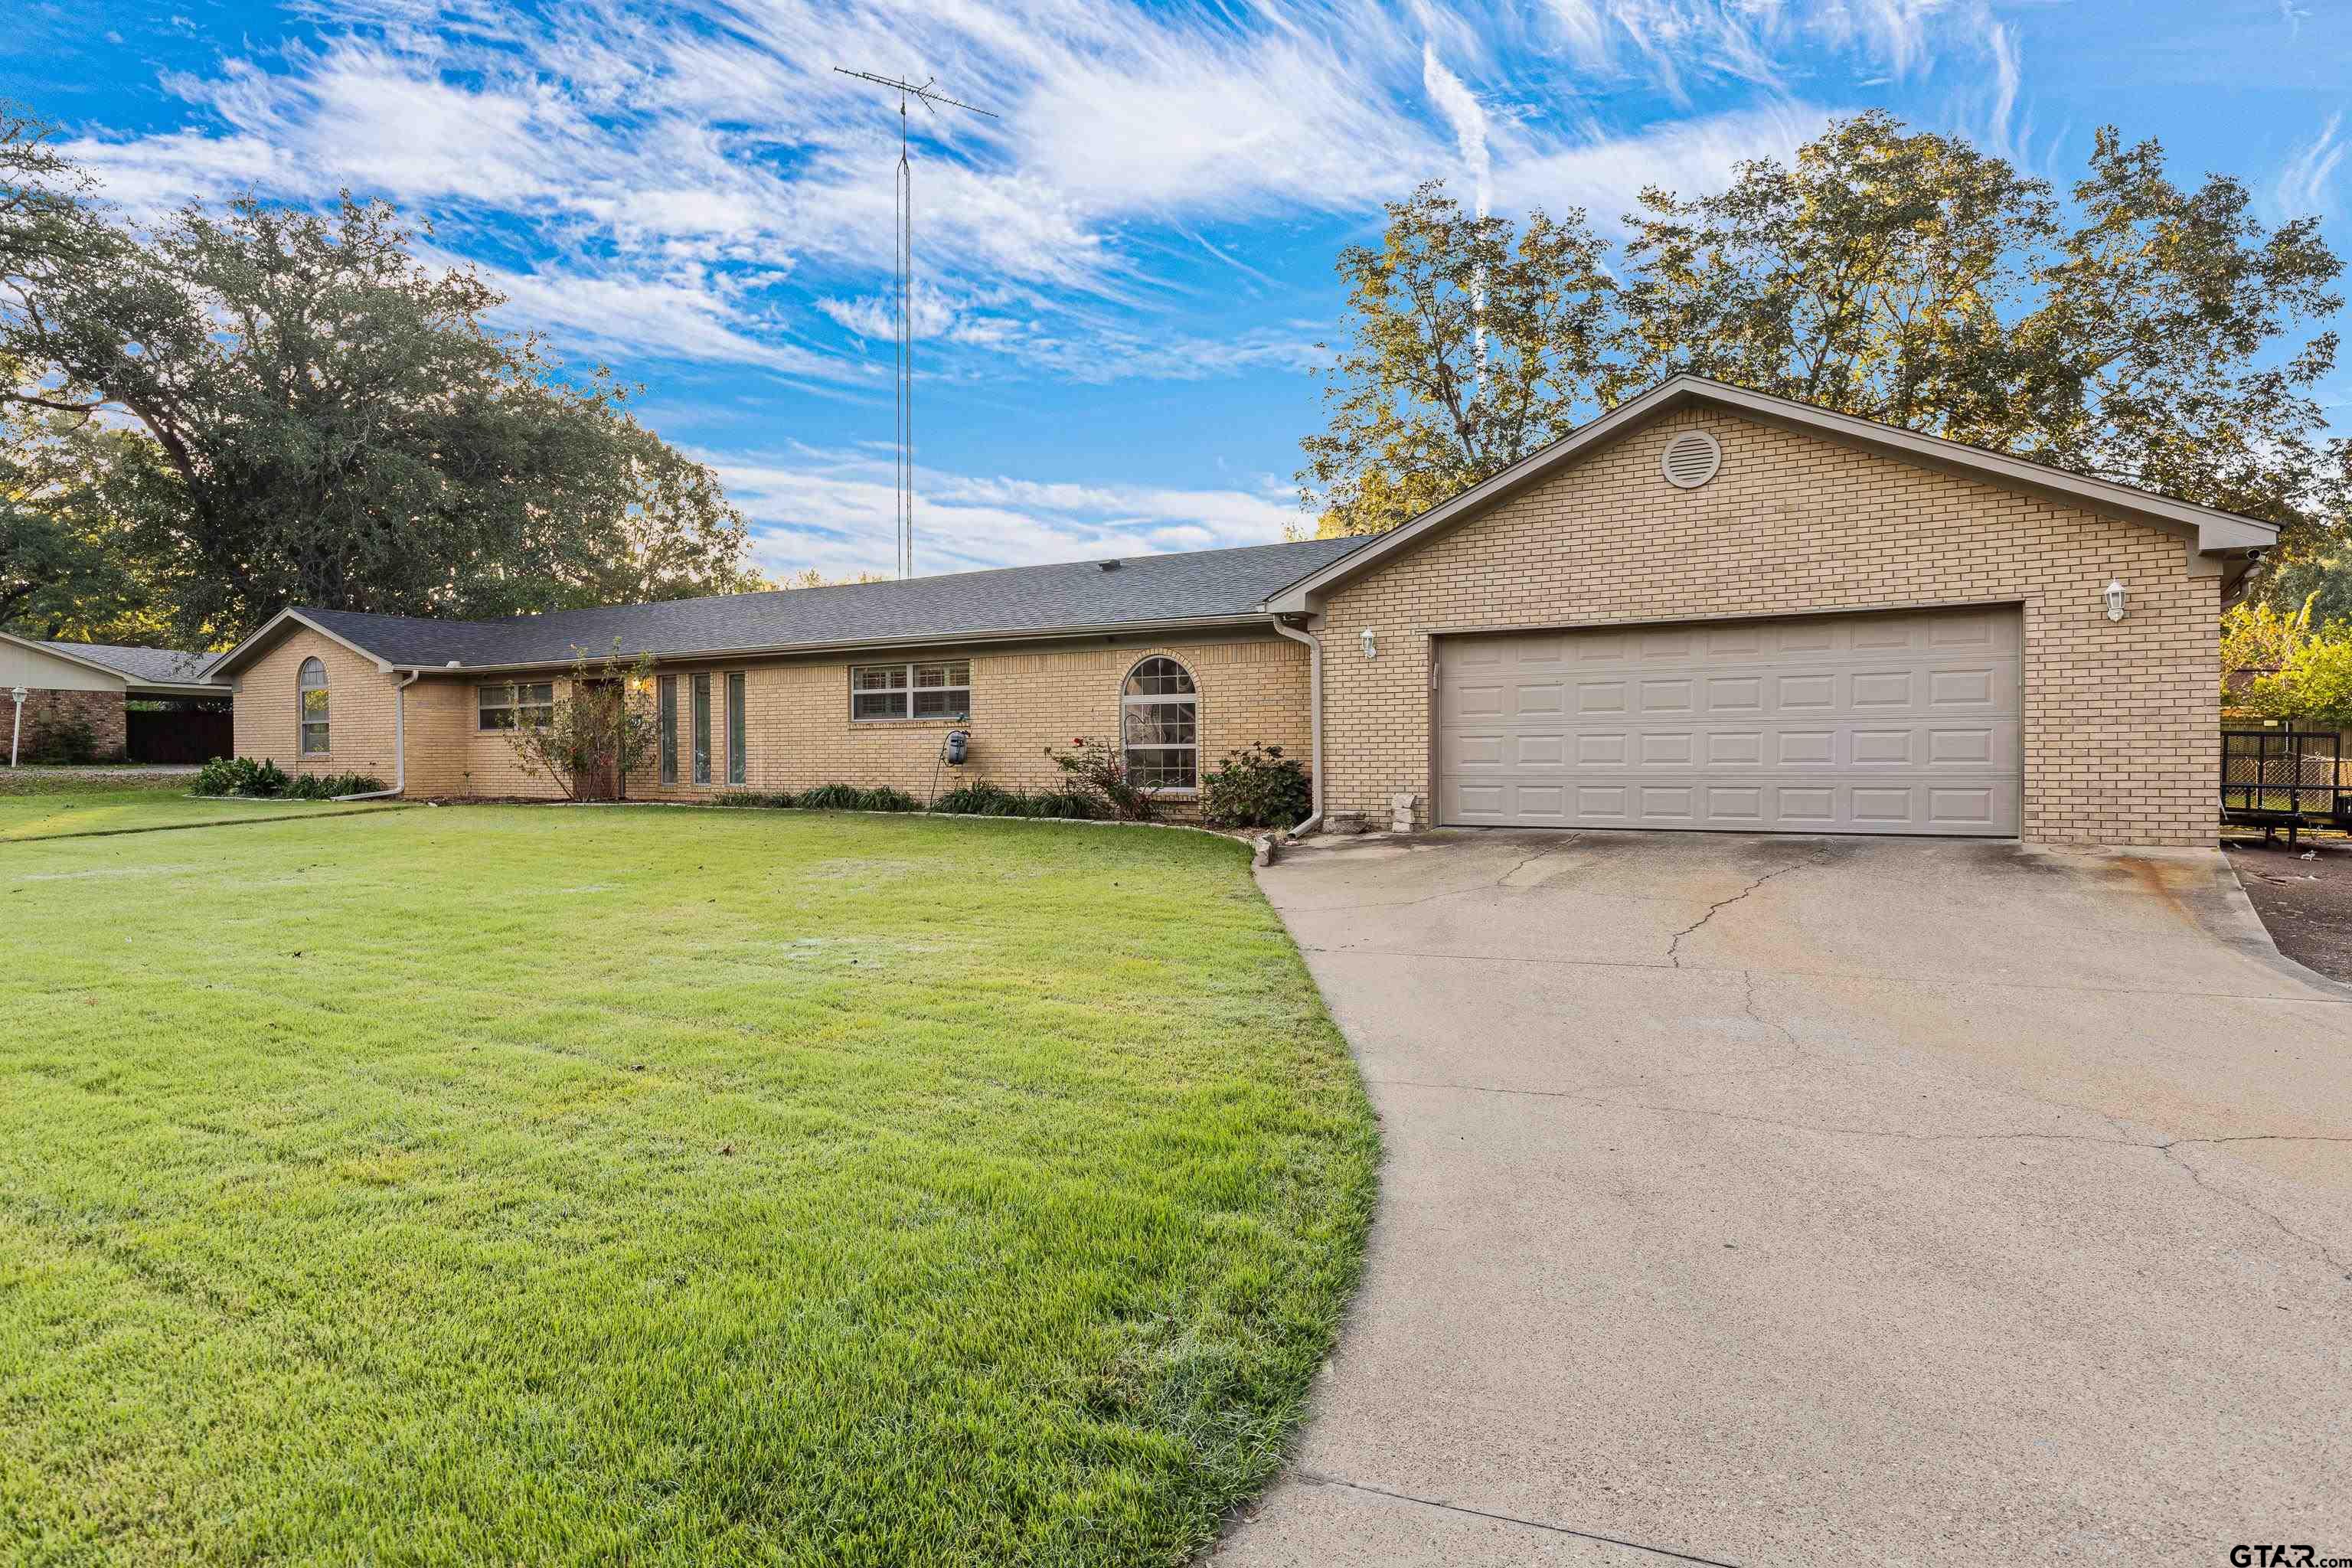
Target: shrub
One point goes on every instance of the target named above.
(326, 786)
(1060, 803)
(1097, 770)
(217, 777)
(978, 800)
(264, 780)
(833, 797)
(769, 799)
(984, 799)
(241, 775)
(602, 730)
(887, 799)
(1256, 787)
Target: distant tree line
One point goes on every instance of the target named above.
(224, 413)
(2138, 331)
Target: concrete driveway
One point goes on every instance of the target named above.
(1790, 1200)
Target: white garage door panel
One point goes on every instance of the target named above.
(1899, 723)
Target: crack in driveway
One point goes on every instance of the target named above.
(1673, 947)
(1666, 1552)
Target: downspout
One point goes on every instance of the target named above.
(1314, 717)
(399, 743)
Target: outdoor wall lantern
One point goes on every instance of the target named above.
(1371, 649)
(2114, 598)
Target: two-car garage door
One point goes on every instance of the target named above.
(1876, 723)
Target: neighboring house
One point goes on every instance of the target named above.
(94, 685)
(1707, 609)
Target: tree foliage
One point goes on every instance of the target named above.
(602, 728)
(1469, 345)
(2322, 583)
(2274, 664)
(68, 565)
(326, 420)
(2136, 330)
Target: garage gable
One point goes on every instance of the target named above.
(2227, 542)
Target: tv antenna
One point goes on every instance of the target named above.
(927, 94)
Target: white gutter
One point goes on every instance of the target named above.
(399, 743)
(1313, 718)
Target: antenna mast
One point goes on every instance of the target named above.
(903, 277)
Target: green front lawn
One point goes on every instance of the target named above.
(501, 1185)
(56, 808)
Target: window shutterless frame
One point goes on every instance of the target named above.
(666, 721)
(311, 708)
(735, 727)
(510, 705)
(702, 729)
(1160, 725)
(924, 689)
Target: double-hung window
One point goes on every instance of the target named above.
(515, 705)
(939, 688)
(702, 728)
(666, 722)
(1161, 729)
(735, 726)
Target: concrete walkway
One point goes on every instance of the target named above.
(1790, 1201)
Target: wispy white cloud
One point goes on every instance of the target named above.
(1606, 174)
(1674, 43)
(691, 314)
(692, 175)
(1467, 116)
(832, 510)
(2000, 44)
(2306, 186)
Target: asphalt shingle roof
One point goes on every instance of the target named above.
(160, 664)
(1016, 599)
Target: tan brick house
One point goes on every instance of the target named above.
(1707, 609)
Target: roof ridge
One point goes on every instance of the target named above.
(539, 618)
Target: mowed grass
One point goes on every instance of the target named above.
(564, 1185)
(61, 807)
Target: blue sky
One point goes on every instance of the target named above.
(1121, 280)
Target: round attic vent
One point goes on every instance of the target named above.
(1690, 459)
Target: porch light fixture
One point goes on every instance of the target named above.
(1371, 648)
(2114, 596)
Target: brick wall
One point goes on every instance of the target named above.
(48, 711)
(2120, 718)
(359, 710)
(799, 733)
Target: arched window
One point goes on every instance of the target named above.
(1163, 725)
(311, 687)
